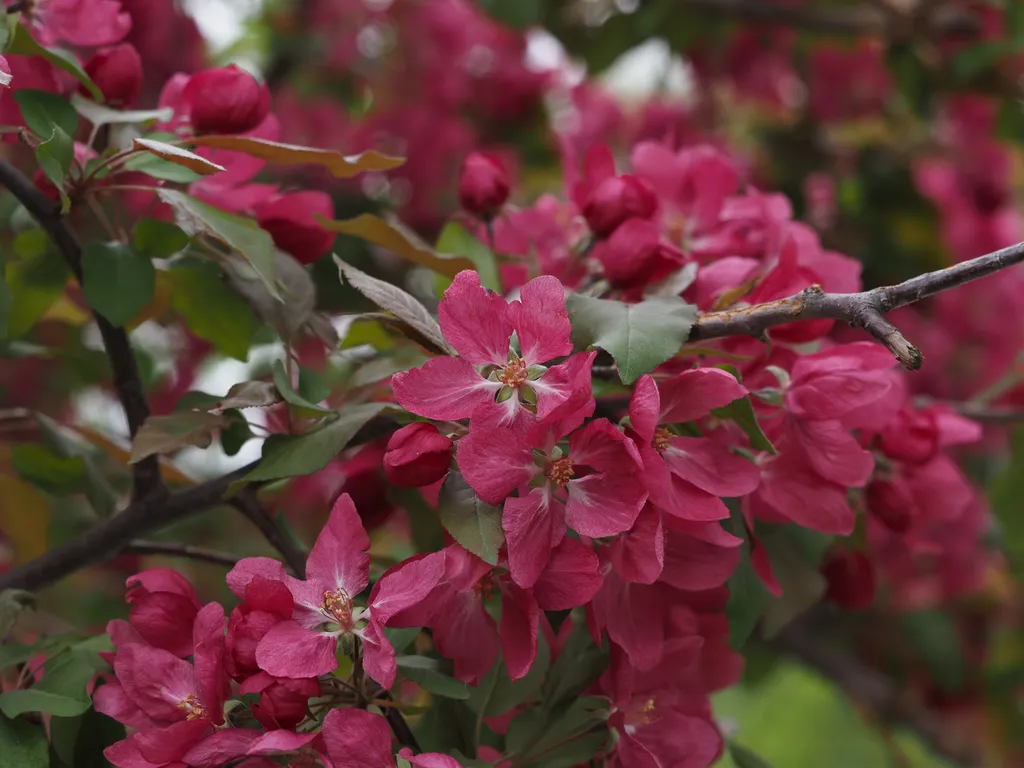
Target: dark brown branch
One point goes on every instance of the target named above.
(248, 503)
(127, 382)
(175, 549)
(856, 20)
(864, 685)
(863, 310)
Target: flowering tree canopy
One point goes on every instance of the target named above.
(558, 412)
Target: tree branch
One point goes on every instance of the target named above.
(864, 685)
(862, 310)
(146, 479)
(248, 503)
(175, 549)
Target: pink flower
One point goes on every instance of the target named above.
(464, 631)
(5, 73)
(358, 739)
(608, 200)
(117, 72)
(225, 100)
(595, 489)
(686, 476)
(479, 324)
(86, 23)
(289, 220)
(283, 701)
(267, 602)
(483, 185)
(337, 570)
(417, 455)
(164, 606)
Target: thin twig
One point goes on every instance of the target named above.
(175, 549)
(248, 503)
(127, 381)
(862, 310)
(989, 414)
(863, 684)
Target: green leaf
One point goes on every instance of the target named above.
(518, 13)
(241, 234)
(235, 436)
(975, 59)
(640, 337)
(159, 239)
(448, 726)
(401, 637)
(23, 744)
(26, 45)
(172, 153)
(747, 593)
(211, 309)
(341, 166)
(55, 156)
(579, 751)
(295, 455)
(801, 583)
(156, 167)
(424, 525)
(293, 398)
(741, 412)
(59, 475)
(248, 394)
(744, 758)
(497, 693)
(394, 236)
(36, 282)
(14, 703)
(419, 324)
(454, 239)
(167, 434)
(79, 741)
(535, 733)
(12, 603)
(42, 110)
(427, 674)
(97, 114)
(1005, 492)
(473, 523)
(117, 281)
(579, 664)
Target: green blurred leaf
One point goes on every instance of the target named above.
(341, 166)
(241, 234)
(97, 114)
(12, 603)
(747, 593)
(59, 475)
(79, 741)
(427, 674)
(394, 236)
(295, 455)
(167, 434)
(975, 59)
(515, 13)
(55, 156)
(159, 168)
(741, 412)
(401, 637)
(580, 663)
(303, 406)
(454, 239)
(235, 435)
(639, 336)
(159, 239)
(42, 111)
(36, 282)
(535, 735)
(117, 281)
(497, 693)
(801, 583)
(744, 758)
(25, 44)
(23, 744)
(448, 726)
(211, 309)
(1005, 492)
(14, 703)
(934, 637)
(473, 523)
(173, 153)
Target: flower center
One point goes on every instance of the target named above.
(661, 437)
(560, 471)
(515, 373)
(338, 606)
(484, 588)
(193, 709)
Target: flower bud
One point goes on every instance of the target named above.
(851, 579)
(117, 72)
(289, 220)
(615, 200)
(483, 185)
(417, 455)
(913, 436)
(283, 700)
(226, 100)
(891, 504)
(163, 608)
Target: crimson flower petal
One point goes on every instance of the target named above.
(238, 578)
(518, 630)
(639, 555)
(444, 388)
(693, 394)
(541, 320)
(711, 466)
(533, 525)
(494, 462)
(289, 650)
(645, 407)
(571, 578)
(604, 504)
(339, 556)
(476, 321)
(356, 738)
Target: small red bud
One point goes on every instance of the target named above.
(226, 100)
(851, 579)
(913, 436)
(117, 72)
(417, 455)
(891, 503)
(289, 220)
(617, 199)
(483, 185)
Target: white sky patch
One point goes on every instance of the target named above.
(222, 22)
